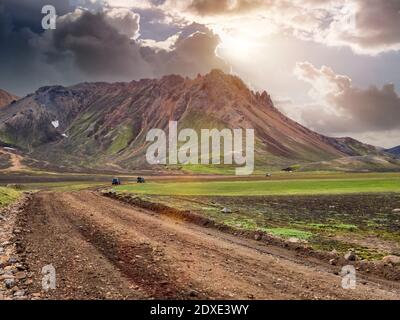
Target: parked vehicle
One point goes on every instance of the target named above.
(116, 182)
(140, 180)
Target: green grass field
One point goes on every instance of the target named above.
(8, 195)
(342, 185)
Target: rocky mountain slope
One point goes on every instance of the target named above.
(395, 151)
(104, 126)
(6, 98)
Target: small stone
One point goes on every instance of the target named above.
(20, 267)
(333, 253)
(393, 260)
(9, 283)
(350, 256)
(193, 293)
(9, 270)
(257, 237)
(226, 210)
(333, 262)
(20, 275)
(19, 293)
(12, 260)
(6, 276)
(294, 240)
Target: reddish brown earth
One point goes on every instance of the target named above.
(15, 161)
(6, 98)
(102, 248)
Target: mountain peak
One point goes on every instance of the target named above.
(217, 72)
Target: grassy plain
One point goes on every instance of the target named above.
(303, 184)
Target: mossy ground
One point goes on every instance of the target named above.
(8, 195)
(364, 223)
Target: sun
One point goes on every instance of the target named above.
(237, 47)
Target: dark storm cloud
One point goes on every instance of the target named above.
(92, 46)
(100, 49)
(96, 47)
(20, 25)
(25, 14)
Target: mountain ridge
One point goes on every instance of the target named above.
(103, 125)
(395, 151)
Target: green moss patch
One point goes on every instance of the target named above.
(288, 233)
(7, 196)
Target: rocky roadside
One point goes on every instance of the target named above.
(14, 275)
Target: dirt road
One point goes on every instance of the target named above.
(104, 249)
(16, 161)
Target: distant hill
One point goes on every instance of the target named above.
(395, 151)
(367, 163)
(6, 98)
(103, 126)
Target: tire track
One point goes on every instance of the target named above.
(138, 254)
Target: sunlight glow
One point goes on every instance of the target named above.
(238, 47)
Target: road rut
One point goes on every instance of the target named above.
(104, 249)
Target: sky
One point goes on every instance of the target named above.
(332, 65)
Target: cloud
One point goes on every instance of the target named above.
(339, 107)
(366, 26)
(123, 20)
(100, 44)
(193, 52)
(211, 7)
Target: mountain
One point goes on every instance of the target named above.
(366, 163)
(103, 126)
(395, 151)
(6, 98)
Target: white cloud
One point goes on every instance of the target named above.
(338, 107)
(124, 20)
(166, 44)
(366, 26)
